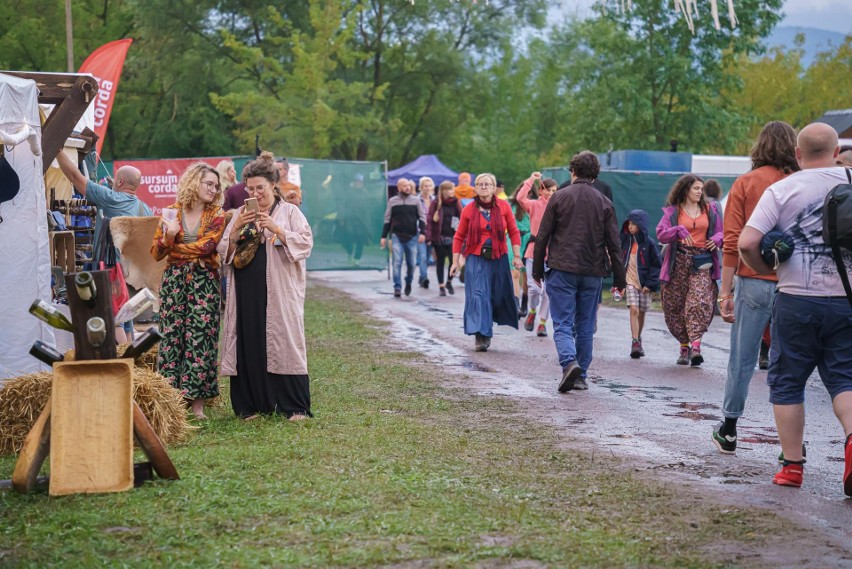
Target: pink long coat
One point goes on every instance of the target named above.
(286, 352)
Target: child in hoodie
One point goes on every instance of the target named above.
(642, 262)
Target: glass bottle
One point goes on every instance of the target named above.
(50, 315)
(143, 343)
(141, 301)
(46, 353)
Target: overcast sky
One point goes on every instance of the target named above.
(833, 15)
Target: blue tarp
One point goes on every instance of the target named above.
(426, 165)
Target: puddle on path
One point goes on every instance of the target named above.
(640, 391)
(450, 358)
(694, 415)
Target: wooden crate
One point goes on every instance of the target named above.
(62, 251)
(91, 435)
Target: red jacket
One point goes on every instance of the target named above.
(470, 214)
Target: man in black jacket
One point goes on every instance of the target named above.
(579, 236)
(405, 219)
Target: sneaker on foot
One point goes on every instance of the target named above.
(449, 287)
(529, 323)
(641, 349)
(847, 472)
(569, 375)
(442, 292)
(695, 357)
(424, 283)
(486, 341)
(407, 289)
(726, 444)
(789, 475)
(636, 349)
(397, 293)
(683, 359)
(580, 384)
(542, 330)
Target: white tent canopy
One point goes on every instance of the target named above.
(24, 247)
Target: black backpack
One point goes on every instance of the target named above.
(837, 227)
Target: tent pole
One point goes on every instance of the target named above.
(69, 36)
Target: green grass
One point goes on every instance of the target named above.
(394, 469)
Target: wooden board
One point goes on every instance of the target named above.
(32, 455)
(152, 446)
(91, 439)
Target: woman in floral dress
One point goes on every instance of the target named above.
(187, 237)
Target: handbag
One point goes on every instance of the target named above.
(247, 246)
(701, 261)
(120, 294)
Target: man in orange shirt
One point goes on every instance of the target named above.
(773, 158)
(289, 191)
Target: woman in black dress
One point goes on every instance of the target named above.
(264, 348)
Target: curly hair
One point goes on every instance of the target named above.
(262, 167)
(188, 185)
(585, 165)
(776, 147)
(677, 195)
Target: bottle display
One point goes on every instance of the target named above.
(86, 289)
(96, 331)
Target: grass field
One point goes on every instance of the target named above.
(394, 470)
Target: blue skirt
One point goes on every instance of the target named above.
(489, 295)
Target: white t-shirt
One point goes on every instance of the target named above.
(794, 205)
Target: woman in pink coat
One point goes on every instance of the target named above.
(539, 302)
(264, 348)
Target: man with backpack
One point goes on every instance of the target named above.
(812, 316)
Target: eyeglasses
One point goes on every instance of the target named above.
(257, 189)
(213, 185)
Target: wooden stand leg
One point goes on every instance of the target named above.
(33, 453)
(152, 446)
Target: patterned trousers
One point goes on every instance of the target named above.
(688, 300)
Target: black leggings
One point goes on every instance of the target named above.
(443, 253)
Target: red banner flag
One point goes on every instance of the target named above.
(105, 64)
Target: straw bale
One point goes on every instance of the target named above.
(23, 398)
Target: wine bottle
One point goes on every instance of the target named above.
(86, 289)
(143, 343)
(46, 353)
(96, 331)
(50, 315)
(141, 301)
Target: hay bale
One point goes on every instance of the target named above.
(23, 398)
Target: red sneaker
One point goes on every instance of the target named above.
(847, 474)
(789, 475)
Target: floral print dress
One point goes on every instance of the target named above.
(189, 306)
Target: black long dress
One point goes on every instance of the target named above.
(254, 390)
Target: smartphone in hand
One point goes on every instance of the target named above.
(251, 205)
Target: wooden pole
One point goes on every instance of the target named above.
(81, 312)
(69, 36)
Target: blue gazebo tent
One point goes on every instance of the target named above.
(426, 165)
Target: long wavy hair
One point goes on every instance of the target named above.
(223, 168)
(776, 147)
(188, 185)
(677, 195)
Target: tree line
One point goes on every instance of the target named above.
(494, 86)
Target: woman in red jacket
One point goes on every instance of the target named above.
(489, 294)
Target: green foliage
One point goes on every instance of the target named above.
(485, 85)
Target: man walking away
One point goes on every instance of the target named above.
(579, 237)
(811, 317)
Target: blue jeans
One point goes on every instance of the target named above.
(752, 309)
(409, 249)
(573, 301)
(423, 259)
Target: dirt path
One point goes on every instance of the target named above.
(654, 416)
